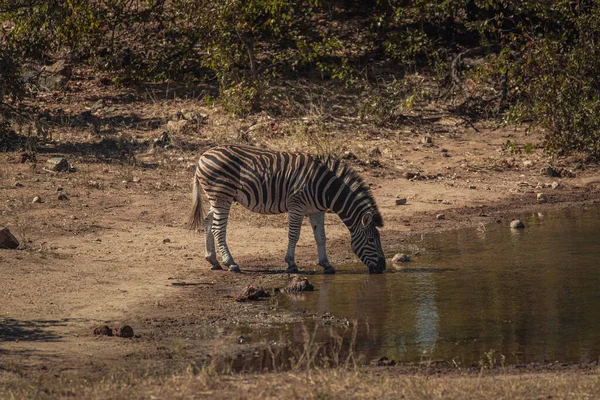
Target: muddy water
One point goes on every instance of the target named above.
(491, 295)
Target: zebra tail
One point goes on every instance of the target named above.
(197, 212)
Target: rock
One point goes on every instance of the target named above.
(427, 140)
(181, 126)
(401, 202)
(166, 240)
(18, 184)
(410, 175)
(541, 198)
(102, 330)
(7, 239)
(555, 185)
(58, 164)
(163, 140)
(97, 105)
(122, 330)
(252, 293)
(55, 76)
(299, 284)
(401, 258)
(472, 187)
(348, 155)
(22, 158)
(440, 216)
(527, 163)
(549, 171)
(383, 362)
(37, 199)
(62, 196)
(517, 224)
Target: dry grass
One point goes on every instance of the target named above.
(314, 384)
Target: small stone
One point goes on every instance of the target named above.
(401, 258)
(136, 179)
(122, 330)
(549, 171)
(7, 239)
(18, 184)
(440, 216)
(166, 240)
(97, 105)
(62, 196)
(102, 330)
(299, 284)
(37, 199)
(252, 293)
(58, 164)
(410, 175)
(472, 187)
(401, 202)
(541, 198)
(555, 185)
(59, 189)
(517, 224)
(23, 158)
(527, 163)
(427, 140)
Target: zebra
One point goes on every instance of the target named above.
(271, 182)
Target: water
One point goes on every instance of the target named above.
(489, 294)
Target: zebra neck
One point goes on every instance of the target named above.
(344, 201)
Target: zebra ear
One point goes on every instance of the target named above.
(366, 219)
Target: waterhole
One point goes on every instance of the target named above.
(489, 294)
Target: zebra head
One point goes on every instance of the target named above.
(366, 242)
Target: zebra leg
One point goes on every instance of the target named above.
(210, 254)
(317, 221)
(294, 226)
(219, 230)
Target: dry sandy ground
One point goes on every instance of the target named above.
(117, 249)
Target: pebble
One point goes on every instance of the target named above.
(517, 224)
(555, 185)
(541, 198)
(18, 184)
(440, 216)
(401, 258)
(62, 196)
(37, 199)
(401, 202)
(166, 240)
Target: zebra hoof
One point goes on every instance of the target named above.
(329, 271)
(292, 270)
(216, 268)
(234, 268)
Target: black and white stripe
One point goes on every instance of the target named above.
(271, 182)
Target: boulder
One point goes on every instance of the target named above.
(55, 76)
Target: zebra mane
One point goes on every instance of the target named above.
(351, 178)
